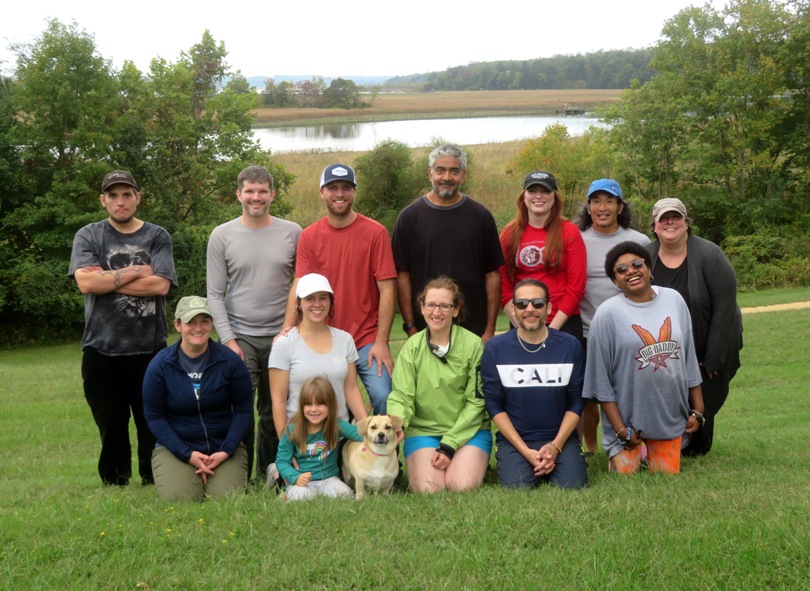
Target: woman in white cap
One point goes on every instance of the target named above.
(701, 273)
(198, 402)
(313, 348)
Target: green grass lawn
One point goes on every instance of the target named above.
(737, 519)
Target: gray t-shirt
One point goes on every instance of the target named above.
(642, 357)
(292, 354)
(117, 324)
(598, 286)
(249, 274)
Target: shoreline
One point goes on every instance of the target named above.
(371, 118)
(444, 105)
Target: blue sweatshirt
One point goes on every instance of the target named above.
(534, 389)
(182, 422)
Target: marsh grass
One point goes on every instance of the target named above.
(737, 519)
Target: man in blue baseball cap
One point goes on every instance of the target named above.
(604, 222)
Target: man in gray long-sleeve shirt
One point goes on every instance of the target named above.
(250, 266)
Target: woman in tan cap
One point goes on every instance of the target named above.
(198, 402)
(702, 274)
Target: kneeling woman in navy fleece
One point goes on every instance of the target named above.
(198, 401)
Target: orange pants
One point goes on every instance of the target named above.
(665, 456)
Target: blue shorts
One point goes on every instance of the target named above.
(482, 440)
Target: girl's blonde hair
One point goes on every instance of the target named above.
(316, 390)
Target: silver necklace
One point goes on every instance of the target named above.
(542, 345)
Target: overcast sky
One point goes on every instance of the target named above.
(347, 37)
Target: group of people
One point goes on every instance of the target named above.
(301, 315)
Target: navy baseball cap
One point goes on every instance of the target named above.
(337, 172)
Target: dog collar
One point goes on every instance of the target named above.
(364, 449)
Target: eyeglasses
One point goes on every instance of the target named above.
(537, 303)
(635, 263)
(430, 306)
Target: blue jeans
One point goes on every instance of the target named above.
(514, 471)
(378, 387)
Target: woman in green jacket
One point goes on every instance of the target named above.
(437, 393)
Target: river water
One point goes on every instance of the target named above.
(356, 137)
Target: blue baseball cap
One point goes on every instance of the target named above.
(606, 185)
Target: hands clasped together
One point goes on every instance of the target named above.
(205, 464)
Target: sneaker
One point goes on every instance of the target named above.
(273, 477)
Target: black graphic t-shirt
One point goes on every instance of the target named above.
(117, 324)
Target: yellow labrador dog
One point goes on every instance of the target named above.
(372, 463)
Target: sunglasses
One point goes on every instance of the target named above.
(537, 303)
(635, 263)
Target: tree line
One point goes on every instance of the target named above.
(339, 94)
(601, 70)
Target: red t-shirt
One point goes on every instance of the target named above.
(353, 258)
(566, 281)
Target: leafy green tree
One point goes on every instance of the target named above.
(238, 84)
(343, 94)
(387, 181)
(64, 100)
(707, 125)
(647, 131)
(278, 95)
(199, 138)
(574, 161)
(70, 118)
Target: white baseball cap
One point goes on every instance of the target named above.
(312, 283)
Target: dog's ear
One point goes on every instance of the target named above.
(362, 426)
(395, 421)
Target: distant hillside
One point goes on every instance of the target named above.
(602, 70)
(598, 70)
(410, 81)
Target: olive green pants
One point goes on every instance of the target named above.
(176, 480)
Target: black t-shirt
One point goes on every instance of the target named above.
(677, 279)
(460, 241)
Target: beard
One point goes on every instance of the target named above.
(444, 192)
(529, 328)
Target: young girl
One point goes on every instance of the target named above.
(312, 439)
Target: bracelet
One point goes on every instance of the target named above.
(555, 446)
(699, 416)
(446, 450)
(626, 440)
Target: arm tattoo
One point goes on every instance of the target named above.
(118, 273)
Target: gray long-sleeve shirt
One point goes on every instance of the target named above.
(249, 276)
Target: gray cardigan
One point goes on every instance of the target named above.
(716, 318)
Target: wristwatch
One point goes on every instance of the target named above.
(406, 326)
